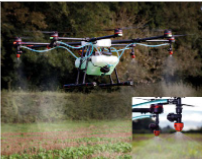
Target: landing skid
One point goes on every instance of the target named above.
(127, 83)
(68, 86)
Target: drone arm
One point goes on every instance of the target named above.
(67, 38)
(122, 41)
(163, 101)
(158, 40)
(141, 110)
(86, 39)
(73, 43)
(34, 43)
(36, 46)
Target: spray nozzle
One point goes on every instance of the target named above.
(170, 51)
(179, 126)
(18, 54)
(156, 132)
(132, 53)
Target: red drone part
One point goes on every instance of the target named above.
(156, 108)
(17, 41)
(132, 56)
(18, 55)
(156, 132)
(178, 126)
(172, 39)
(170, 52)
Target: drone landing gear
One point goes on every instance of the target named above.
(83, 84)
(127, 83)
(92, 84)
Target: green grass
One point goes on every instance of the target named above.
(80, 152)
(57, 126)
(168, 147)
(69, 139)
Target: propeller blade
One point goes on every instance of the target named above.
(108, 30)
(46, 32)
(182, 35)
(143, 99)
(157, 30)
(26, 37)
(188, 105)
(149, 99)
(126, 28)
(21, 37)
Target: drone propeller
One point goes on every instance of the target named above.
(125, 28)
(172, 30)
(21, 37)
(149, 99)
(46, 32)
(188, 105)
(161, 30)
(182, 35)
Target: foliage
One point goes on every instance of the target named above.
(26, 107)
(167, 146)
(78, 152)
(69, 139)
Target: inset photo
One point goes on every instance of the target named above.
(167, 127)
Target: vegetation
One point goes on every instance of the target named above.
(69, 139)
(167, 146)
(27, 107)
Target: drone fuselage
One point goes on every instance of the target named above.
(96, 62)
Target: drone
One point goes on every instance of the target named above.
(156, 108)
(96, 54)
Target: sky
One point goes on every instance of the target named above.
(191, 116)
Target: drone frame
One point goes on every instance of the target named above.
(117, 33)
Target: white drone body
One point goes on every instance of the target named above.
(98, 61)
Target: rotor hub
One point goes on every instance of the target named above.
(168, 33)
(54, 36)
(156, 108)
(17, 41)
(118, 32)
(172, 39)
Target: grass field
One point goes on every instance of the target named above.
(167, 146)
(73, 139)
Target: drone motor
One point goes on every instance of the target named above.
(17, 43)
(168, 33)
(156, 108)
(118, 32)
